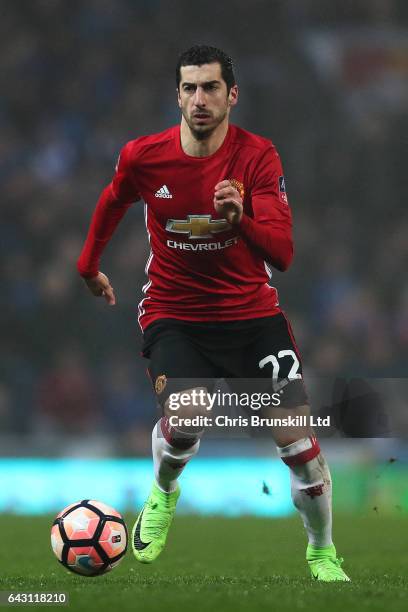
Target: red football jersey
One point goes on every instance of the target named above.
(200, 267)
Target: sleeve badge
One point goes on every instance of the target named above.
(282, 190)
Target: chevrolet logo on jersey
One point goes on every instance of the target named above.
(198, 226)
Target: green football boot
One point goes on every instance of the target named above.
(150, 531)
(324, 564)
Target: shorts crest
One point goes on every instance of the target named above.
(160, 384)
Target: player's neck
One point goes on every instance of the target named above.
(207, 146)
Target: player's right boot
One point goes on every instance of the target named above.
(150, 531)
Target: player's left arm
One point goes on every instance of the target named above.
(269, 232)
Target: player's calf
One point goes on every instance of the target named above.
(172, 448)
(311, 490)
(310, 487)
(176, 438)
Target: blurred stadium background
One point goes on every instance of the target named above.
(328, 83)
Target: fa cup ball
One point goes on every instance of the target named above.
(89, 537)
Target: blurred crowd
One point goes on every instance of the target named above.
(327, 82)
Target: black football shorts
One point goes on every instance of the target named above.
(257, 355)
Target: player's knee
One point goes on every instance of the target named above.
(293, 424)
(188, 403)
(299, 452)
(187, 409)
(310, 474)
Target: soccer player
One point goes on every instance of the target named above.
(218, 220)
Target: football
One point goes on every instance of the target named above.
(89, 537)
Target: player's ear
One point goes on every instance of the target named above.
(233, 95)
(178, 97)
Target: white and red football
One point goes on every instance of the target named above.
(89, 537)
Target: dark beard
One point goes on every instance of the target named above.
(199, 135)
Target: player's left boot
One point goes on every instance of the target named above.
(150, 531)
(324, 564)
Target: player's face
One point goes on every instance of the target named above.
(203, 98)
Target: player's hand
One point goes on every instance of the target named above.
(100, 286)
(228, 202)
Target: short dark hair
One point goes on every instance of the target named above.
(203, 54)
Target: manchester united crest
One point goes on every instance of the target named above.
(160, 383)
(238, 186)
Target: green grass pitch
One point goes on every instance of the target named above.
(221, 564)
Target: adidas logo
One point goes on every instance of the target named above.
(163, 192)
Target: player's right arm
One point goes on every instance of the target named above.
(113, 203)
